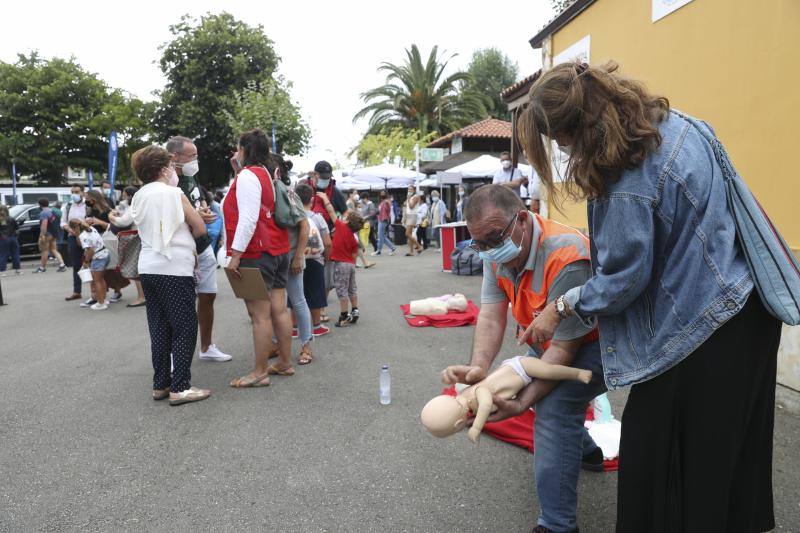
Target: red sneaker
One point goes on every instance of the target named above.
(294, 333)
(321, 330)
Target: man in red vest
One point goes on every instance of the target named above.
(529, 262)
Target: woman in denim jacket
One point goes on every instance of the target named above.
(671, 291)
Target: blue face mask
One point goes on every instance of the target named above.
(505, 253)
(323, 184)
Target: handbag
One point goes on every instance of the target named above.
(111, 242)
(130, 244)
(773, 266)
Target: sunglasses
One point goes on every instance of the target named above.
(491, 242)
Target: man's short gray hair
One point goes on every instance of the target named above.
(175, 144)
(492, 197)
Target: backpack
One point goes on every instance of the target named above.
(466, 262)
(289, 210)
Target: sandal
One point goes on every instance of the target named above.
(272, 369)
(274, 353)
(305, 355)
(250, 381)
(160, 394)
(192, 394)
(324, 318)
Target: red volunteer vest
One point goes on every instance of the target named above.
(267, 237)
(558, 246)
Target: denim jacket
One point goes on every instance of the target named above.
(667, 267)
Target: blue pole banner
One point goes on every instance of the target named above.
(13, 183)
(91, 180)
(112, 157)
(274, 143)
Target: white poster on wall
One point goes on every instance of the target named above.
(577, 51)
(662, 8)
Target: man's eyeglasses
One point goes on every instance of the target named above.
(491, 242)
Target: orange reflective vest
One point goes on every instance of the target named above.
(557, 246)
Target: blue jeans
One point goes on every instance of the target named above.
(9, 247)
(297, 300)
(561, 441)
(382, 238)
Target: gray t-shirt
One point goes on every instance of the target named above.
(573, 275)
(317, 229)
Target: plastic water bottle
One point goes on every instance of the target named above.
(602, 409)
(385, 386)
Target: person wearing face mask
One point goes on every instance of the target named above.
(528, 262)
(171, 231)
(184, 157)
(329, 200)
(508, 176)
(75, 209)
(108, 193)
(439, 214)
(461, 203)
(410, 209)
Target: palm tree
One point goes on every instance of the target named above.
(418, 96)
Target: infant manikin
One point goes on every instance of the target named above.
(439, 305)
(446, 415)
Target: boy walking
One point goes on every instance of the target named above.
(343, 254)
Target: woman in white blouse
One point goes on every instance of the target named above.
(168, 227)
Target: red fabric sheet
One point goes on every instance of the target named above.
(450, 320)
(518, 430)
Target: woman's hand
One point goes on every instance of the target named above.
(543, 326)
(233, 267)
(297, 265)
(324, 197)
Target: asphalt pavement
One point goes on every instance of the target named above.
(84, 448)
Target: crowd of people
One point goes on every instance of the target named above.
(619, 304)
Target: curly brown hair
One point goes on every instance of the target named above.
(148, 162)
(354, 221)
(611, 122)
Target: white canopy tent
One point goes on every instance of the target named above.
(484, 166)
(386, 176)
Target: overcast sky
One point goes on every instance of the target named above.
(330, 50)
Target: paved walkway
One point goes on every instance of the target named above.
(85, 449)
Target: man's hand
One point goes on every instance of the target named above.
(507, 408)
(297, 265)
(543, 326)
(207, 215)
(233, 266)
(467, 374)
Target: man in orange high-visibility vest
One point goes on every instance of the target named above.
(528, 263)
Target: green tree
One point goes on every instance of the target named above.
(561, 5)
(491, 71)
(54, 114)
(395, 146)
(255, 107)
(419, 96)
(206, 62)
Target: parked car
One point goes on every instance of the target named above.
(27, 217)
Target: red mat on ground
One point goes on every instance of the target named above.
(450, 320)
(518, 430)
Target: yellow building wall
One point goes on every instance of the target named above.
(732, 63)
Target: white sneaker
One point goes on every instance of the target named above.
(392, 252)
(115, 297)
(375, 254)
(99, 307)
(88, 303)
(213, 354)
